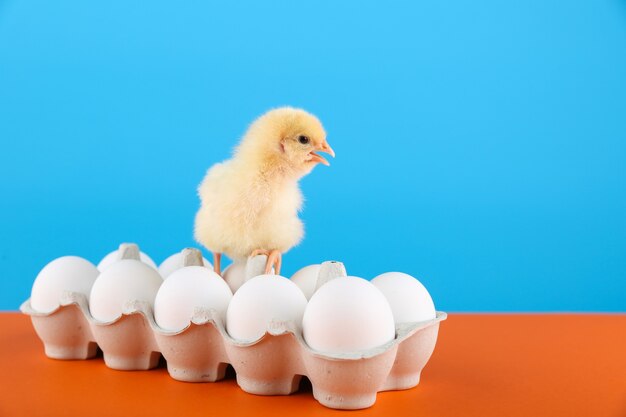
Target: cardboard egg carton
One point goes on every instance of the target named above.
(272, 365)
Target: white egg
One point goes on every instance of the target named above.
(186, 289)
(235, 275)
(312, 277)
(347, 314)
(124, 281)
(113, 257)
(261, 300)
(68, 273)
(306, 279)
(239, 271)
(174, 263)
(408, 298)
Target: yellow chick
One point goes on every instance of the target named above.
(250, 203)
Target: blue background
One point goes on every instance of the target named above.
(481, 146)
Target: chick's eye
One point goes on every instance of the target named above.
(303, 139)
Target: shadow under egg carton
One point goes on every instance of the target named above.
(272, 365)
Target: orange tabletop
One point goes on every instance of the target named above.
(483, 365)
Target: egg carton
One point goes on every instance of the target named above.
(201, 352)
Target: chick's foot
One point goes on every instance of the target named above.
(274, 259)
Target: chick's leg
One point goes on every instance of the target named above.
(217, 258)
(274, 259)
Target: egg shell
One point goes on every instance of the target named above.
(124, 281)
(68, 273)
(408, 298)
(306, 279)
(112, 258)
(235, 275)
(187, 289)
(347, 314)
(261, 300)
(175, 262)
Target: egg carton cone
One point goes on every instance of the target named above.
(201, 352)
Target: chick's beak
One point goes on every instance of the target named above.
(324, 147)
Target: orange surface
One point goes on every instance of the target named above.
(483, 365)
